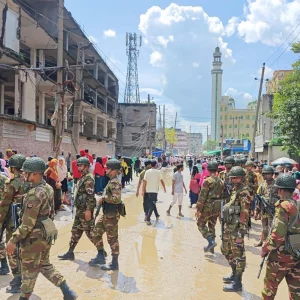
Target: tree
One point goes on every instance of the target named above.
(286, 108)
(210, 145)
(171, 136)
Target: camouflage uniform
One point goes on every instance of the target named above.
(108, 221)
(269, 193)
(3, 213)
(236, 228)
(224, 176)
(251, 182)
(84, 200)
(209, 205)
(34, 249)
(281, 264)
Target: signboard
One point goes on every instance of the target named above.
(259, 143)
(245, 143)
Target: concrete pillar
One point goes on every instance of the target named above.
(96, 99)
(66, 33)
(106, 80)
(105, 104)
(82, 121)
(42, 107)
(2, 87)
(96, 71)
(65, 117)
(33, 57)
(41, 58)
(95, 123)
(17, 96)
(105, 133)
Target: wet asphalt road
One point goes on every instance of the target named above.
(162, 261)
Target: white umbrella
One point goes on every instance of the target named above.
(283, 161)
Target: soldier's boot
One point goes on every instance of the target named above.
(98, 260)
(15, 285)
(27, 296)
(234, 286)
(67, 292)
(211, 244)
(114, 265)
(69, 255)
(4, 270)
(230, 278)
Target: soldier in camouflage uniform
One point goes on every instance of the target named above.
(14, 190)
(251, 183)
(209, 206)
(85, 203)
(282, 245)
(236, 215)
(108, 221)
(3, 212)
(35, 243)
(224, 176)
(268, 192)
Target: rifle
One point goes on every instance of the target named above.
(222, 223)
(72, 200)
(15, 215)
(265, 205)
(4, 225)
(264, 258)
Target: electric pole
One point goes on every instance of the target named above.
(149, 132)
(222, 141)
(257, 111)
(164, 128)
(77, 105)
(175, 121)
(207, 134)
(59, 130)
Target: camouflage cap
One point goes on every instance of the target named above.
(212, 166)
(268, 170)
(237, 172)
(113, 164)
(34, 165)
(83, 161)
(229, 160)
(17, 161)
(249, 163)
(285, 181)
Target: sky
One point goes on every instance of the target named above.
(179, 39)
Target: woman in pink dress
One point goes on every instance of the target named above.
(194, 186)
(205, 173)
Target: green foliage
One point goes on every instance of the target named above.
(210, 145)
(286, 108)
(171, 136)
(276, 142)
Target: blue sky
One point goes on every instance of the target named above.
(179, 40)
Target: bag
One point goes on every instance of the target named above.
(49, 231)
(122, 209)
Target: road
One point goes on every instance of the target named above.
(162, 261)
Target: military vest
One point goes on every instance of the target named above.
(269, 193)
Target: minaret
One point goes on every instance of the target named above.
(216, 73)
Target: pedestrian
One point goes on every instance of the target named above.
(268, 192)
(92, 168)
(85, 203)
(204, 173)
(99, 174)
(190, 163)
(209, 206)
(236, 215)
(35, 244)
(151, 182)
(140, 184)
(282, 245)
(108, 221)
(14, 190)
(296, 194)
(76, 173)
(199, 166)
(4, 169)
(52, 179)
(177, 190)
(62, 175)
(194, 186)
(137, 166)
(68, 162)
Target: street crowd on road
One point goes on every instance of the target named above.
(233, 191)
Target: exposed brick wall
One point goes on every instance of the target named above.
(27, 144)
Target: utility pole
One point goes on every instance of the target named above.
(149, 132)
(164, 128)
(257, 111)
(160, 126)
(190, 140)
(77, 102)
(222, 141)
(175, 121)
(207, 134)
(59, 128)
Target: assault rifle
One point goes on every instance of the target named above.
(15, 215)
(222, 223)
(265, 205)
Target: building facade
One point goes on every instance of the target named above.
(216, 74)
(136, 129)
(181, 147)
(236, 123)
(195, 143)
(278, 75)
(28, 91)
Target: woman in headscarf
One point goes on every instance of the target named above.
(3, 168)
(204, 173)
(62, 174)
(52, 179)
(99, 174)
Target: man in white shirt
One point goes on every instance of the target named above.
(177, 190)
(151, 182)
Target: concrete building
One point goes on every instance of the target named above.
(195, 142)
(278, 75)
(216, 73)
(237, 123)
(181, 147)
(28, 97)
(135, 121)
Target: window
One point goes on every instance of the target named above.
(225, 135)
(225, 108)
(225, 117)
(225, 126)
(247, 134)
(221, 108)
(247, 117)
(247, 126)
(253, 117)
(221, 118)
(235, 126)
(230, 126)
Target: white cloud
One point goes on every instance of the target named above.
(238, 96)
(163, 41)
(93, 39)
(155, 58)
(109, 33)
(195, 64)
(267, 21)
(268, 73)
(151, 91)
